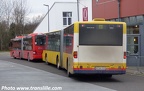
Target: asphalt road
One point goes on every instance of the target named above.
(125, 82)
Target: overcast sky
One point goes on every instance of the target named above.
(37, 8)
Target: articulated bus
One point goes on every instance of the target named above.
(28, 47)
(15, 46)
(90, 47)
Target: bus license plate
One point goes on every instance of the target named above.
(100, 68)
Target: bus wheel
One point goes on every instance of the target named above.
(28, 59)
(20, 56)
(13, 55)
(108, 76)
(68, 72)
(58, 63)
(46, 60)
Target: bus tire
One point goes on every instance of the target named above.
(58, 63)
(13, 55)
(106, 76)
(20, 56)
(28, 59)
(46, 60)
(68, 72)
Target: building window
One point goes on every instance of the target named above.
(67, 18)
(133, 40)
(139, 19)
(133, 20)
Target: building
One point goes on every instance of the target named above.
(131, 12)
(60, 15)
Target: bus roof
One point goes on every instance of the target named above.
(34, 34)
(17, 38)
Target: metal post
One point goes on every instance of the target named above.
(118, 10)
(48, 15)
(78, 9)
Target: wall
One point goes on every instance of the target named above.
(56, 17)
(109, 8)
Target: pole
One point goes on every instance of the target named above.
(78, 9)
(118, 10)
(48, 18)
(48, 15)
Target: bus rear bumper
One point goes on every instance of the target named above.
(114, 72)
(37, 57)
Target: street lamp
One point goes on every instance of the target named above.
(78, 9)
(48, 15)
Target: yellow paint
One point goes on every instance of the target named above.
(76, 24)
(52, 55)
(93, 65)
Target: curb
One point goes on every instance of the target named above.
(135, 72)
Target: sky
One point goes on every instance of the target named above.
(37, 8)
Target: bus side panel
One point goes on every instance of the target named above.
(52, 55)
(74, 61)
(124, 46)
(44, 55)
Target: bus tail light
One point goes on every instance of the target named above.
(125, 55)
(34, 52)
(75, 54)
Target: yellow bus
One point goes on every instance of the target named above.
(51, 54)
(90, 47)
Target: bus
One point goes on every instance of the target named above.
(30, 46)
(90, 47)
(51, 54)
(15, 46)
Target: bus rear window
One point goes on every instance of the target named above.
(40, 40)
(101, 34)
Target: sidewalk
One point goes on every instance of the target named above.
(135, 70)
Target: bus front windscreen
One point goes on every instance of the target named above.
(101, 34)
(40, 40)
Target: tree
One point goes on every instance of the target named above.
(19, 14)
(11, 11)
(13, 21)
(3, 23)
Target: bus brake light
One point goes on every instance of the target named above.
(75, 54)
(34, 52)
(125, 55)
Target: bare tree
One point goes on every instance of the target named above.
(11, 12)
(3, 22)
(8, 11)
(33, 23)
(19, 14)
(1, 9)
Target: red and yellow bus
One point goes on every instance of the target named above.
(90, 47)
(28, 47)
